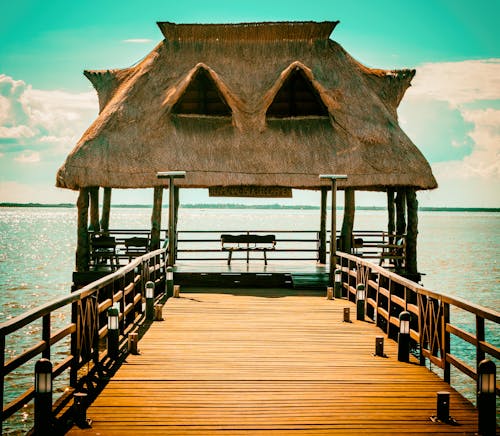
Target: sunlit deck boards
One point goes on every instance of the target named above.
(271, 360)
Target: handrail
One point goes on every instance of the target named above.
(388, 294)
(88, 325)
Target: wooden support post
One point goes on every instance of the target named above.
(156, 218)
(322, 226)
(82, 247)
(171, 223)
(176, 217)
(401, 212)
(391, 223)
(106, 208)
(411, 234)
(348, 222)
(94, 209)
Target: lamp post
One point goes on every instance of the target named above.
(170, 281)
(43, 396)
(150, 300)
(486, 398)
(360, 302)
(333, 232)
(404, 337)
(171, 175)
(113, 332)
(338, 283)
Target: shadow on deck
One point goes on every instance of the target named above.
(231, 361)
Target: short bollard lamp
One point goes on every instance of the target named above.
(80, 410)
(338, 283)
(404, 337)
(150, 300)
(170, 281)
(486, 398)
(43, 396)
(443, 406)
(360, 302)
(113, 332)
(379, 346)
(329, 293)
(347, 314)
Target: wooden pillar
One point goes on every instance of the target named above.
(322, 227)
(411, 234)
(82, 247)
(156, 218)
(348, 222)
(391, 223)
(94, 209)
(106, 208)
(176, 216)
(401, 212)
(333, 234)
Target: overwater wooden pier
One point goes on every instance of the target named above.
(234, 359)
(265, 361)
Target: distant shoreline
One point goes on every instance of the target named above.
(255, 206)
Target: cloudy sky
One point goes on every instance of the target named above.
(452, 110)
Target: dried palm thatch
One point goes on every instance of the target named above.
(252, 104)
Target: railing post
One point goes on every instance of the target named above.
(480, 336)
(2, 377)
(46, 336)
(446, 342)
(73, 374)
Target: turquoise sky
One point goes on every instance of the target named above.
(47, 45)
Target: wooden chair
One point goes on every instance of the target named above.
(135, 247)
(102, 250)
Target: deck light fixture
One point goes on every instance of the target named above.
(486, 397)
(338, 283)
(329, 293)
(333, 231)
(379, 346)
(347, 314)
(404, 337)
(150, 300)
(80, 410)
(113, 332)
(170, 281)
(43, 396)
(443, 406)
(360, 302)
(171, 176)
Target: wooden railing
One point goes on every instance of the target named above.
(88, 329)
(431, 326)
(203, 245)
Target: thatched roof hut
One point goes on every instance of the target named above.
(245, 106)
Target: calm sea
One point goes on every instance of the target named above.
(457, 251)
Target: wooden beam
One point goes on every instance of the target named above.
(106, 208)
(348, 222)
(82, 247)
(391, 223)
(412, 232)
(322, 227)
(401, 212)
(156, 218)
(94, 209)
(171, 222)
(176, 216)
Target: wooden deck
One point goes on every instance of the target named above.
(269, 361)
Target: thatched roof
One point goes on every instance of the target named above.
(253, 104)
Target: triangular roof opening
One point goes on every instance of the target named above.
(297, 97)
(202, 97)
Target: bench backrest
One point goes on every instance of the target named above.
(248, 239)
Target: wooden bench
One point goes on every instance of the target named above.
(102, 250)
(232, 243)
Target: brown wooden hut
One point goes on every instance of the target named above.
(250, 109)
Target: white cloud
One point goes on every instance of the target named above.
(137, 41)
(458, 82)
(464, 86)
(32, 117)
(15, 192)
(28, 157)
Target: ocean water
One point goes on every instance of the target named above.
(457, 251)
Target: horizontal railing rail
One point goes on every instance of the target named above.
(387, 294)
(122, 289)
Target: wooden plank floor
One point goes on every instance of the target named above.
(269, 362)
